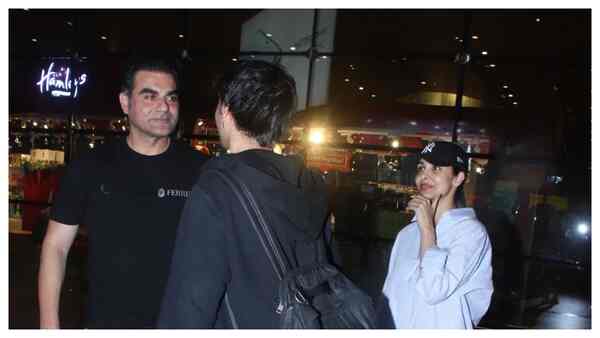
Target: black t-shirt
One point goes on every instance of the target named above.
(130, 205)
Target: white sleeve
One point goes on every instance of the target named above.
(444, 270)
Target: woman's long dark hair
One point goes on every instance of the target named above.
(459, 196)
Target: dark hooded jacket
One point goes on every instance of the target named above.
(217, 252)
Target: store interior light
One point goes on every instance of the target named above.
(583, 228)
(346, 80)
(505, 86)
(316, 135)
(475, 37)
(292, 48)
(34, 40)
(180, 36)
(200, 123)
(423, 82)
(484, 52)
(395, 144)
(103, 37)
(278, 149)
(361, 88)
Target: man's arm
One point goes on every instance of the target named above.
(55, 249)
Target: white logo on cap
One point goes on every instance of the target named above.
(459, 160)
(428, 148)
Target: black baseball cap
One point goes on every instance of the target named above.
(444, 154)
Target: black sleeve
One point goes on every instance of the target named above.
(71, 195)
(199, 267)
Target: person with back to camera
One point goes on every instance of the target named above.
(440, 272)
(220, 275)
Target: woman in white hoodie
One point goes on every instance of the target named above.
(440, 272)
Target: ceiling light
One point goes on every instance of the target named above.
(234, 59)
(475, 37)
(484, 52)
(395, 144)
(346, 80)
(492, 65)
(293, 48)
(69, 23)
(373, 96)
(103, 37)
(34, 39)
(361, 88)
(324, 57)
(538, 20)
(180, 36)
(413, 123)
(436, 127)
(515, 103)
(423, 82)
(505, 86)
(269, 35)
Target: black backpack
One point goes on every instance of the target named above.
(316, 296)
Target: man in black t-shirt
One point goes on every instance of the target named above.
(129, 195)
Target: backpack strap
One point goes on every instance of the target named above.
(257, 220)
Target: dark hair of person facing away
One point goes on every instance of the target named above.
(261, 96)
(147, 64)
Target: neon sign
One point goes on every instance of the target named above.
(61, 82)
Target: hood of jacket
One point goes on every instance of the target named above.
(283, 186)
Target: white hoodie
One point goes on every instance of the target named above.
(451, 287)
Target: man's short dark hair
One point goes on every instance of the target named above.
(261, 97)
(147, 64)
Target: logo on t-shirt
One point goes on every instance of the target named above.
(173, 193)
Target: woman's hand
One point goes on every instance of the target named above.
(423, 209)
(425, 218)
